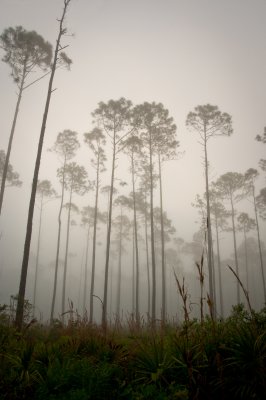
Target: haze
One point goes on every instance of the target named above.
(175, 52)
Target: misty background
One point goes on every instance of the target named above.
(180, 53)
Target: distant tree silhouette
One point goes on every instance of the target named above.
(156, 128)
(246, 224)
(65, 147)
(144, 189)
(133, 150)
(220, 215)
(114, 118)
(122, 228)
(262, 139)
(76, 181)
(250, 176)
(208, 121)
(24, 51)
(261, 203)
(166, 151)
(105, 190)
(44, 191)
(230, 186)
(12, 177)
(87, 218)
(96, 142)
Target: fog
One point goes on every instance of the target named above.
(178, 53)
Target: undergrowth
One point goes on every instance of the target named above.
(203, 359)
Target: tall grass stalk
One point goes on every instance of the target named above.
(184, 296)
(201, 279)
(243, 288)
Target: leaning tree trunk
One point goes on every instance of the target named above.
(6, 163)
(108, 241)
(259, 244)
(25, 262)
(66, 258)
(58, 244)
(94, 240)
(37, 257)
(235, 250)
(162, 244)
(209, 230)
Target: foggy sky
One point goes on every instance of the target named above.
(181, 53)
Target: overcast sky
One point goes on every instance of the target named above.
(181, 53)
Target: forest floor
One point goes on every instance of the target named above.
(206, 359)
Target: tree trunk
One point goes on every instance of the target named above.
(246, 256)
(25, 262)
(108, 240)
(86, 272)
(162, 244)
(119, 270)
(235, 250)
(135, 238)
(6, 163)
(147, 259)
(80, 280)
(259, 243)
(111, 288)
(58, 244)
(209, 230)
(94, 240)
(219, 269)
(153, 263)
(133, 272)
(66, 257)
(37, 257)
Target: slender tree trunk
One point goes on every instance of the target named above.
(6, 163)
(66, 258)
(111, 288)
(235, 250)
(259, 243)
(209, 230)
(25, 262)
(136, 237)
(58, 244)
(153, 262)
(246, 256)
(94, 240)
(119, 270)
(162, 244)
(219, 269)
(147, 259)
(80, 279)
(214, 277)
(86, 272)
(133, 272)
(37, 257)
(108, 240)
